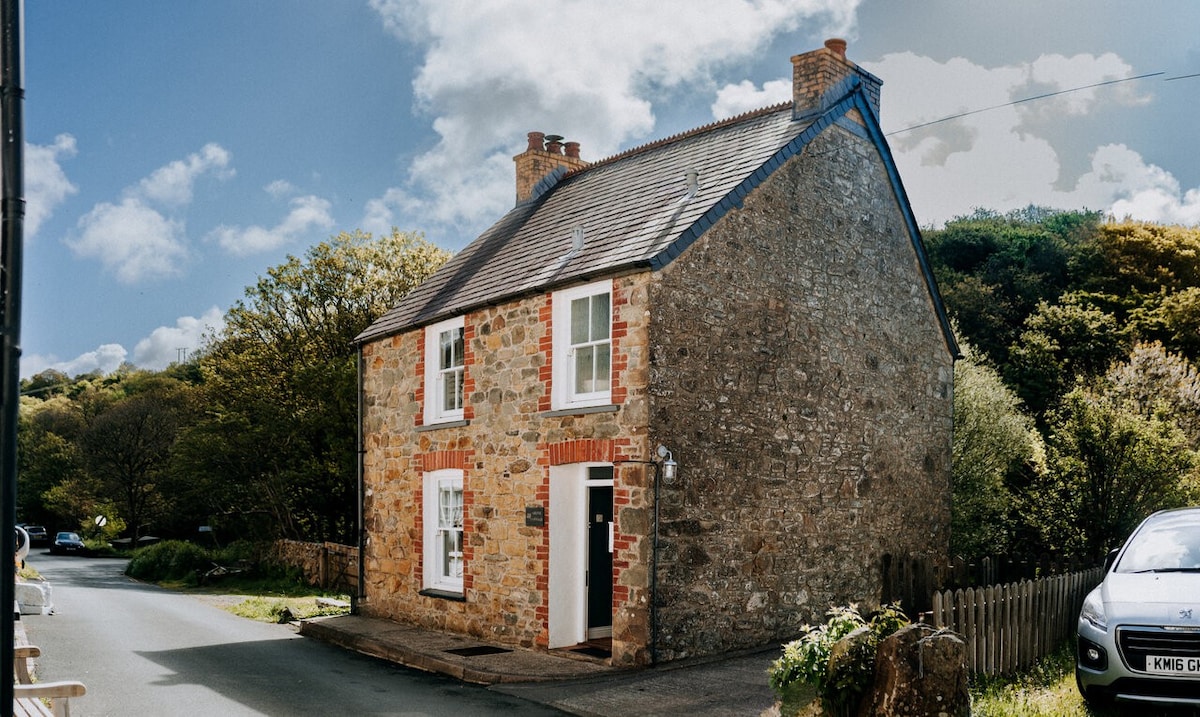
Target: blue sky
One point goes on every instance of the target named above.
(176, 151)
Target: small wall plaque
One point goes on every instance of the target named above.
(535, 516)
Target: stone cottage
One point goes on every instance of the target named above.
(676, 402)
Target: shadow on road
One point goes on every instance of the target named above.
(99, 573)
(275, 677)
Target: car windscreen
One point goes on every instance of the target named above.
(1169, 547)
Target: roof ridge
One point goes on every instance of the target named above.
(655, 144)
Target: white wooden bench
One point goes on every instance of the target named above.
(29, 698)
(22, 654)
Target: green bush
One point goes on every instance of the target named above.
(169, 560)
(805, 661)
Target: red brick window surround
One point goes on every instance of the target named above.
(581, 346)
(443, 553)
(443, 527)
(443, 367)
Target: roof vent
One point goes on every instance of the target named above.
(577, 239)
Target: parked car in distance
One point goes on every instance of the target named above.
(37, 534)
(1139, 630)
(67, 543)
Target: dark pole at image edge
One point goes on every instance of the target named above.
(12, 215)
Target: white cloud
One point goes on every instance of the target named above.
(745, 96)
(134, 240)
(1147, 192)
(131, 240)
(378, 215)
(280, 188)
(1003, 158)
(170, 344)
(105, 359)
(164, 346)
(172, 183)
(307, 213)
(46, 184)
(492, 74)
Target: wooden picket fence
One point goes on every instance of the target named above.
(1008, 627)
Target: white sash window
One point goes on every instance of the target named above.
(582, 353)
(443, 516)
(445, 370)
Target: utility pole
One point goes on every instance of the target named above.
(12, 218)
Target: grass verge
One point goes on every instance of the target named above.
(1045, 690)
(241, 578)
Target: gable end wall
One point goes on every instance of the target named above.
(800, 376)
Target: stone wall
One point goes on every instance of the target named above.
(505, 452)
(326, 565)
(800, 376)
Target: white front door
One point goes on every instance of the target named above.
(569, 528)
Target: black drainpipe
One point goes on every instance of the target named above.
(654, 572)
(361, 592)
(12, 98)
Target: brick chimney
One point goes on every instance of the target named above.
(815, 73)
(544, 154)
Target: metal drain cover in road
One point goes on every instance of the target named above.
(477, 651)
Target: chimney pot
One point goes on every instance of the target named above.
(543, 156)
(816, 73)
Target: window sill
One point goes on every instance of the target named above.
(444, 595)
(582, 410)
(443, 424)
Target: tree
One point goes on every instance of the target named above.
(127, 445)
(1108, 466)
(1172, 318)
(281, 384)
(1143, 258)
(1062, 343)
(994, 269)
(47, 456)
(994, 445)
(45, 384)
(1154, 382)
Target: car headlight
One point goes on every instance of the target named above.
(1093, 610)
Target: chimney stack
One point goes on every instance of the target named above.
(543, 155)
(817, 72)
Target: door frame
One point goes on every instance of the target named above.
(566, 594)
(604, 630)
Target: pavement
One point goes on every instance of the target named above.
(730, 685)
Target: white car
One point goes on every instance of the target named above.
(1139, 630)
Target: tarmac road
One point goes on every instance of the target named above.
(144, 650)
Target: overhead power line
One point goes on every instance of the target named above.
(1036, 97)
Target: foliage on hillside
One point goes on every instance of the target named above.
(1093, 328)
(254, 437)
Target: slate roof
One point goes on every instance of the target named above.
(635, 210)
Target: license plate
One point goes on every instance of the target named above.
(1168, 665)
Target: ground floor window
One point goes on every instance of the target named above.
(443, 518)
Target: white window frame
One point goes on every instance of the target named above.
(436, 375)
(563, 394)
(443, 569)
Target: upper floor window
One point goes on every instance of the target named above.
(445, 368)
(582, 346)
